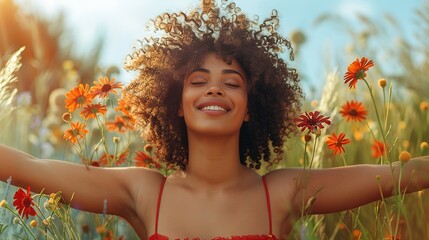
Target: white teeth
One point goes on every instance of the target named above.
(214, 108)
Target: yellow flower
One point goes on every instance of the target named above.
(402, 125)
(404, 156)
(33, 223)
(358, 135)
(382, 82)
(314, 103)
(3, 203)
(68, 65)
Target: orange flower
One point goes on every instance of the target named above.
(104, 86)
(123, 107)
(336, 143)
(76, 131)
(91, 110)
(121, 124)
(357, 71)
(118, 125)
(118, 161)
(312, 121)
(142, 159)
(354, 110)
(78, 97)
(378, 149)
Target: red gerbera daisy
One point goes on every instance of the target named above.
(76, 131)
(104, 86)
(142, 159)
(23, 203)
(378, 149)
(336, 143)
(78, 97)
(357, 71)
(312, 121)
(354, 110)
(91, 110)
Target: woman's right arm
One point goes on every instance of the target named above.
(89, 186)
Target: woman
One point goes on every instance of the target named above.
(217, 101)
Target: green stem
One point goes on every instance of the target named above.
(106, 151)
(399, 196)
(377, 114)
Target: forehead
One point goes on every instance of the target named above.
(213, 60)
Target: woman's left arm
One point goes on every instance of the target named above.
(329, 190)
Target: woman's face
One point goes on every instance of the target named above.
(214, 98)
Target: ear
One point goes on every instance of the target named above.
(246, 117)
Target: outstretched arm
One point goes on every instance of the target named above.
(338, 189)
(90, 186)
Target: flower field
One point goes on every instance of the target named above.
(365, 115)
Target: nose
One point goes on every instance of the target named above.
(215, 90)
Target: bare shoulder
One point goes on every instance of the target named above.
(282, 183)
(283, 177)
(142, 179)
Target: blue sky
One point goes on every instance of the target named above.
(122, 22)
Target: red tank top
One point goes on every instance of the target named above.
(270, 235)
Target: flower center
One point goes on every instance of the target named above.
(360, 74)
(26, 202)
(106, 88)
(75, 132)
(353, 112)
(93, 110)
(81, 99)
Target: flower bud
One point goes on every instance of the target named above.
(424, 145)
(404, 156)
(3, 203)
(382, 82)
(148, 148)
(66, 117)
(33, 223)
(307, 138)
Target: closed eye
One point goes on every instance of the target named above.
(197, 83)
(233, 85)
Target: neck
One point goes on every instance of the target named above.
(214, 160)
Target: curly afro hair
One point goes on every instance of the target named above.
(162, 63)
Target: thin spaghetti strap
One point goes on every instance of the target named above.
(161, 189)
(267, 194)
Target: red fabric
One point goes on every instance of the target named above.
(157, 236)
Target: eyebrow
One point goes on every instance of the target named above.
(224, 71)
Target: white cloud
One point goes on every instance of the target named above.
(352, 8)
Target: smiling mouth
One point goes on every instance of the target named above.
(214, 108)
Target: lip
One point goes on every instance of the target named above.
(214, 103)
